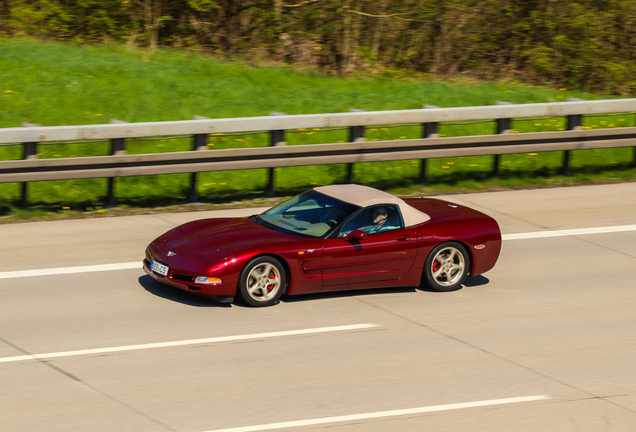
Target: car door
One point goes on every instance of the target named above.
(381, 256)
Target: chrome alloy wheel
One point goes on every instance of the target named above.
(448, 266)
(263, 282)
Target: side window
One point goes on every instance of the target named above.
(375, 219)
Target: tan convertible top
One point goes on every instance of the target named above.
(365, 196)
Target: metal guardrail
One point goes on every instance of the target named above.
(118, 164)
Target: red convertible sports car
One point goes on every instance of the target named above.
(330, 238)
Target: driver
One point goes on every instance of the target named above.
(379, 216)
(328, 216)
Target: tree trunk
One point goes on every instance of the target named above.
(346, 34)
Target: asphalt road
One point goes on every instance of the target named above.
(553, 325)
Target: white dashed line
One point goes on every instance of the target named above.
(71, 270)
(187, 342)
(382, 414)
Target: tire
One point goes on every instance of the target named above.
(446, 267)
(262, 281)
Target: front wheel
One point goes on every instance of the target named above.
(446, 267)
(262, 281)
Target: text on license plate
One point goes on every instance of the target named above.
(159, 268)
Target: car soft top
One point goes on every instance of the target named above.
(365, 196)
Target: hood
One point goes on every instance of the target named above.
(216, 239)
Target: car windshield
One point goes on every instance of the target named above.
(309, 214)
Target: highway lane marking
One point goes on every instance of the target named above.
(71, 270)
(569, 232)
(137, 264)
(382, 414)
(188, 342)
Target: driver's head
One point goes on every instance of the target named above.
(379, 214)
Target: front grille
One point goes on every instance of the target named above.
(182, 277)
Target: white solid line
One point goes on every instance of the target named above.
(137, 264)
(379, 414)
(70, 270)
(569, 232)
(187, 342)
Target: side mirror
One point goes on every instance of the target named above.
(356, 235)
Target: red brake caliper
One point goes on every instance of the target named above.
(272, 276)
(434, 266)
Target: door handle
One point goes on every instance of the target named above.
(403, 238)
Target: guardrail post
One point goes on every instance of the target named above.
(199, 142)
(117, 147)
(356, 134)
(29, 151)
(429, 130)
(573, 123)
(504, 126)
(276, 138)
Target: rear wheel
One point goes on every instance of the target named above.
(262, 281)
(446, 267)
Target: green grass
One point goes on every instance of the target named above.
(56, 84)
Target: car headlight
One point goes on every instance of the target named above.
(207, 280)
(170, 234)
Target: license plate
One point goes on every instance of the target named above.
(159, 268)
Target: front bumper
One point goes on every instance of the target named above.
(185, 281)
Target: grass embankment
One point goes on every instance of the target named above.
(55, 84)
